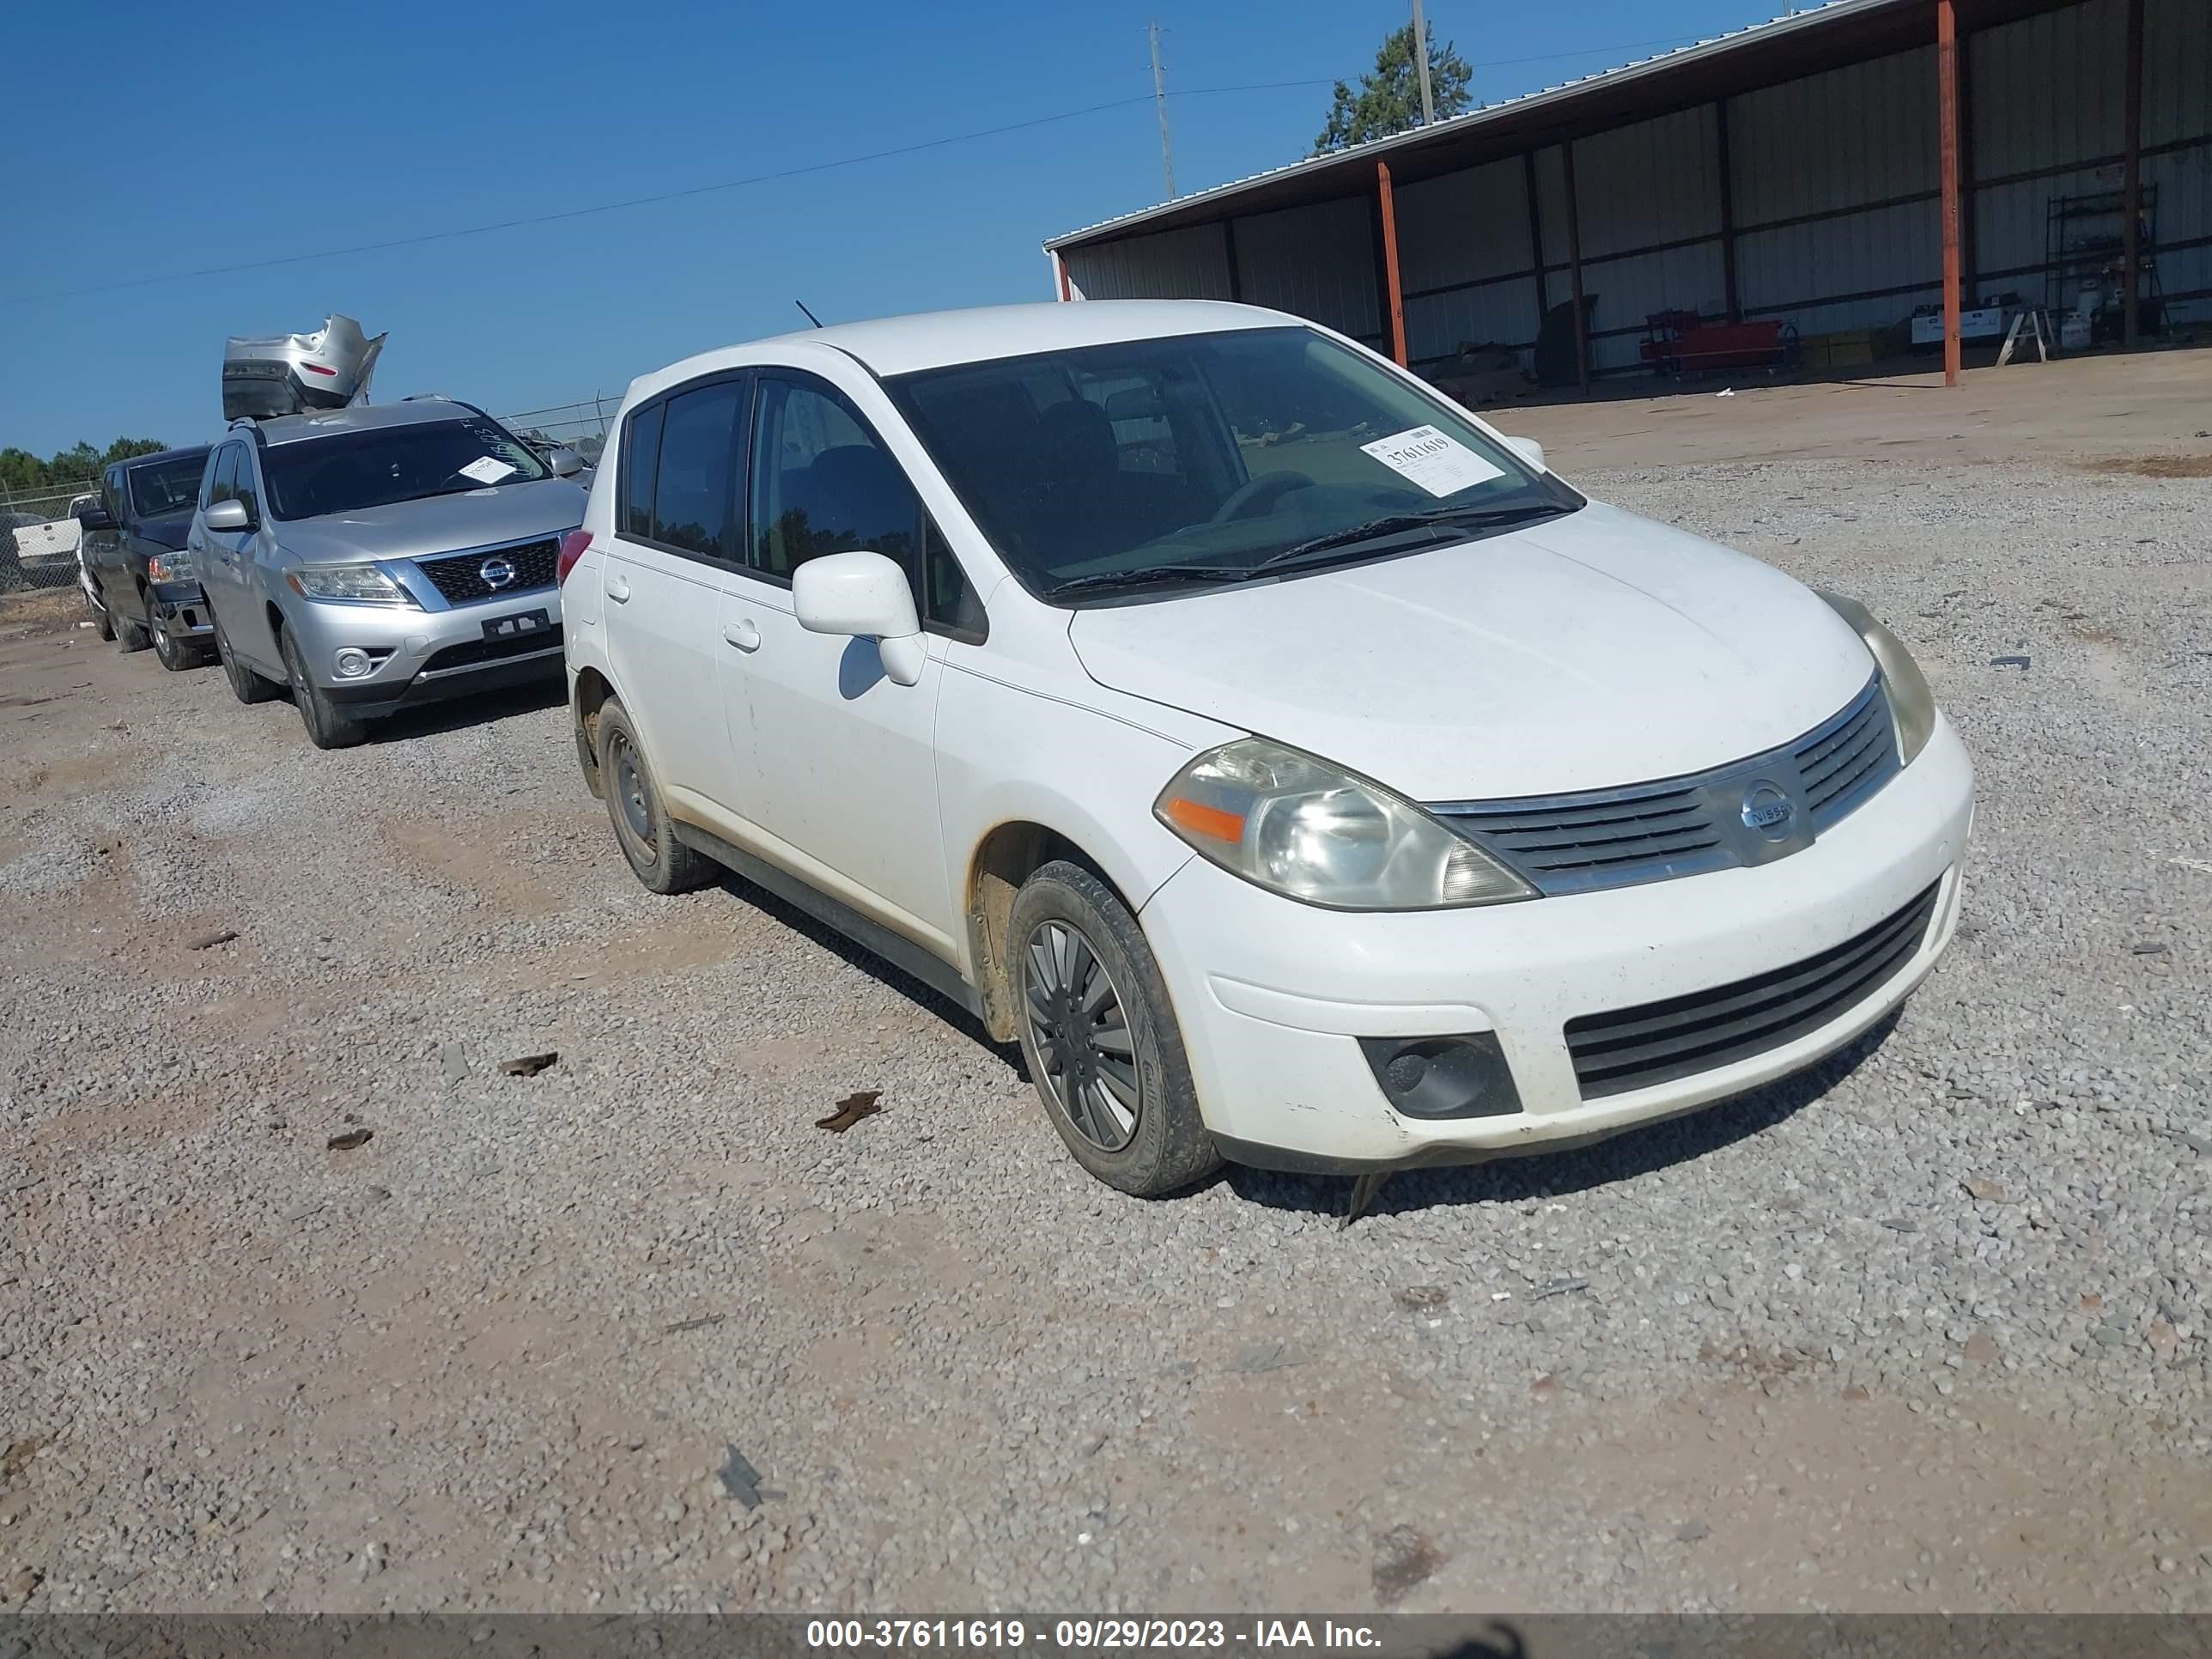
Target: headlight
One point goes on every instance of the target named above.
(363, 584)
(1300, 827)
(1911, 704)
(170, 568)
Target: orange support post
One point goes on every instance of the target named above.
(1390, 264)
(1946, 119)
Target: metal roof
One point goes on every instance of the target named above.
(1800, 42)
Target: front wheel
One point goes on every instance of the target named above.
(328, 725)
(136, 633)
(1101, 1038)
(642, 828)
(174, 654)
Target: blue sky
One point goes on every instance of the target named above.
(164, 139)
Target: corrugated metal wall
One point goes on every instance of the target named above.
(1315, 261)
(1834, 191)
(2177, 106)
(1169, 264)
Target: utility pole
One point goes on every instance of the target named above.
(1421, 60)
(1160, 98)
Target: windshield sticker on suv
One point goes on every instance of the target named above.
(1437, 462)
(485, 469)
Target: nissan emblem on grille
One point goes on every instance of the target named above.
(498, 573)
(1767, 810)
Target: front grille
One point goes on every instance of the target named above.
(1686, 826)
(470, 652)
(459, 575)
(1635, 1048)
(1846, 762)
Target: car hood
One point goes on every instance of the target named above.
(441, 524)
(1586, 652)
(168, 530)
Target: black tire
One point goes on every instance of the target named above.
(102, 624)
(329, 726)
(1075, 1048)
(174, 654)
(244, 684)
(134, 633)
(642, 828)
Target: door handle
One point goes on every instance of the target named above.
(618, 589)
(742, 634)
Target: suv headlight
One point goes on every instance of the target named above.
(1313, 832)
(362, 584)
(170, 568)
(1911, 703)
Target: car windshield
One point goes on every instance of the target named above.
(167, 486)
(349, 471)
(1208, 457)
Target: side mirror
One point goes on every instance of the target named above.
(1529, 451)
(228, 517)
(565, 463)
(866, 596)
(96, 517)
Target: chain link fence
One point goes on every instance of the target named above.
(40, 540)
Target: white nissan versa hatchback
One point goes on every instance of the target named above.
(1301, 772)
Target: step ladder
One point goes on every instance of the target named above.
(2028, 321)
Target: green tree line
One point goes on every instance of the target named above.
(21, 472)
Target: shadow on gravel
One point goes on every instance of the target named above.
(1555, 1175)
(864, 960)
(465, 711)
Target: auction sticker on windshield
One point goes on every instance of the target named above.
(1436, 461)
(485, 469)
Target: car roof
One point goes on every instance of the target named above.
(940, 339)
(358, 417)
(183, 452)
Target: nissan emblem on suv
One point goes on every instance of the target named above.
(496, 573)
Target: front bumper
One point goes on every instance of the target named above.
(422, 656)
(1272, 996)
(184, 610)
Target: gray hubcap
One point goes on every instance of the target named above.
(629, 791)
(1081, 1036)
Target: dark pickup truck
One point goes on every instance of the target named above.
(140, 582)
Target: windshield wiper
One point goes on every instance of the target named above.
(1158, 573)
(1398, 524)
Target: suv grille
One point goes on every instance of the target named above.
(1686, 826)
(459, 575)
(1635, 1048)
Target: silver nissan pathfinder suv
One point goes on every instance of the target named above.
(373, 558)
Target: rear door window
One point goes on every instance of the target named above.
(695, 505)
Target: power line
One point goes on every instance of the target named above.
(567, 213)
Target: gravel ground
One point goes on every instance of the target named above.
(1924, 1329)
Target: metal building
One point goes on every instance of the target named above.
(1802, 171)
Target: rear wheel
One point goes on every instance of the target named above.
(244, 684)
(328, 725)
(1101, 1038)
(642, 828)
(101, 622)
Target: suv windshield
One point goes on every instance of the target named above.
(172, 486)
(348, 472)
(1208, 457)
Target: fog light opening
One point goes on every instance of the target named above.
(1444, 1076)
(352, 663)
